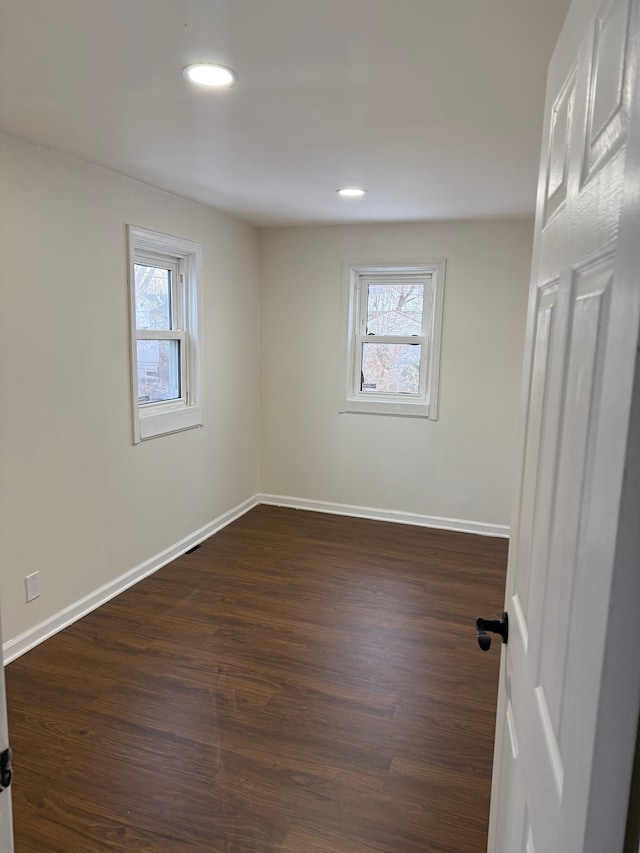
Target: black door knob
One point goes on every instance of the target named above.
(494, 626)
(5, 769)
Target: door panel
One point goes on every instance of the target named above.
(539, 402)
(558, 159)
(609, 86)
(571, 489)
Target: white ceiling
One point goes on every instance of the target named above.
(435, 106)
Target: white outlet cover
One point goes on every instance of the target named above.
(32, 583)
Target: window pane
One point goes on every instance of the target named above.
(391, 368)
(158, 371)
(153, 297)
(395, 309)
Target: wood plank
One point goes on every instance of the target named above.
(302, 683)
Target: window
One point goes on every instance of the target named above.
(165, 275)
(391, 344)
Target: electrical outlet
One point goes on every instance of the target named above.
(32, 583)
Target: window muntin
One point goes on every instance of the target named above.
(393, 337)
(166, 351)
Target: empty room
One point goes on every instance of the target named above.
(319, 458)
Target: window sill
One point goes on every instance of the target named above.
(153, 424)
(380, 407)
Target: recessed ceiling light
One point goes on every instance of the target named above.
(209, 74)
(351, 192)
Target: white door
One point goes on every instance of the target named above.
(570, 674)
(6, 824)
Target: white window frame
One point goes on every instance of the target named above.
(184, 258)
(357, 276)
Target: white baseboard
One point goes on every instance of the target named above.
(24, 642)
(458, 524)
(34, 636)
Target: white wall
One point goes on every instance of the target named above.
(78, 501)
(460, 466)
(82, 505)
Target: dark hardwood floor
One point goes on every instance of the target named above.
(302, 683)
